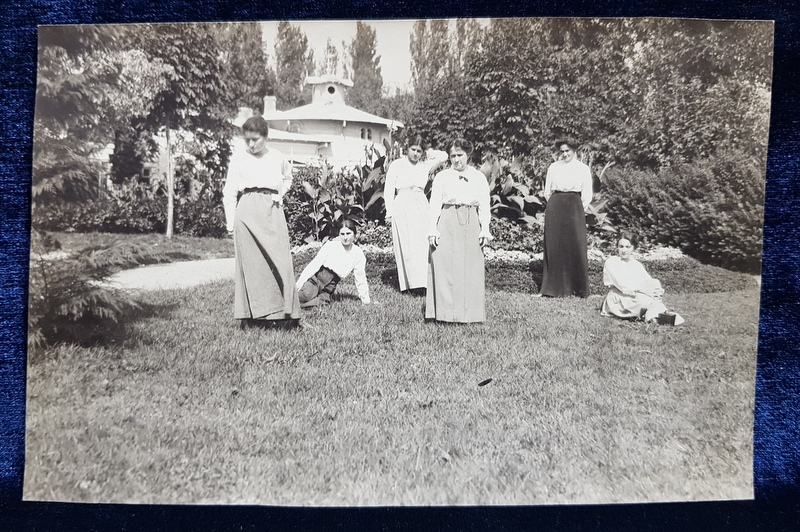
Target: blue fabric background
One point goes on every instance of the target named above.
(777, 416)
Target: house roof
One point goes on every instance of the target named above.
(331, 111)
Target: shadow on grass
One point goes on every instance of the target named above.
(93, 331)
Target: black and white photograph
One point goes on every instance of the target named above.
(432, 262)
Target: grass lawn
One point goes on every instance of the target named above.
(369, 405)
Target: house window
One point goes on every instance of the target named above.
(331, 89)
(363, 133)
(369, 133)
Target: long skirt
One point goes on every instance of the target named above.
(566, 266)
(456, 276)
(632, 307)
(318, 289)
(410, 239)
(265, 281)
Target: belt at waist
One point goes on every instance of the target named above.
(566, 192)
(449, 205)
(259, 190)
(410, 189)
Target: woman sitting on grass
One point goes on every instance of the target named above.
(334, 261)
(634, 294)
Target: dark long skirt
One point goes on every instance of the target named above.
(318, 289)
(265, 281)
(566, 267)
(456, 277)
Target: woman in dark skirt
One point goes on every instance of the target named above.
(458, 230)
(568, 190)
(257, 181)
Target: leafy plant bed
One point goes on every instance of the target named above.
(682, 275)
(509, 271)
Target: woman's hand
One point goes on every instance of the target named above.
(433, 240)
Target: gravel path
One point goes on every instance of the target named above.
(174, 275)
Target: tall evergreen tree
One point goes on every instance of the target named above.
(367, 79)
(430, 52)
(294, 62)
(248, 75)
(196, 98)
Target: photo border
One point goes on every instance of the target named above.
(777, 413)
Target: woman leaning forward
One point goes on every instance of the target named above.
(458, 230)
(257, 181)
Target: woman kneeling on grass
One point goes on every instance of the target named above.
(634, 294)
(458, 230)
(334, 261)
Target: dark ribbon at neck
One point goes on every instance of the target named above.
(462, 176)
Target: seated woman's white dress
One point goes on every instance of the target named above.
(631, 291)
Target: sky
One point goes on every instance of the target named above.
(393, 39)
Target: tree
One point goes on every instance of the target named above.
(651, 93)
(294, 61)
(246, 71)
(331, 61)
(430, 49)
(367, 79)
(195, 98)
(83, 91)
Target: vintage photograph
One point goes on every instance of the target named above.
(396, 262)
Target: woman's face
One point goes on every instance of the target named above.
(624, 249)
(255, 142)
(346, 236)
(458, 158)
(566, 153)
(414, 154)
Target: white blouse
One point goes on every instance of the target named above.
(341, 261)
(270, 170)
(403, 173)
(626, 276)
(451, 187)
(573, 176)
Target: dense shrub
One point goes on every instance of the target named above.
(516, 236)
(683, 275)
(301, 225)
(713, 210)
(203, 216)
(375, 233)
(136, 208)
(68, 299)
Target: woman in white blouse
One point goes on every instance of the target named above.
(458, 230)
(334, 261)
(568, 191)
(634, 294)
(407, 211)
(257, 180)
